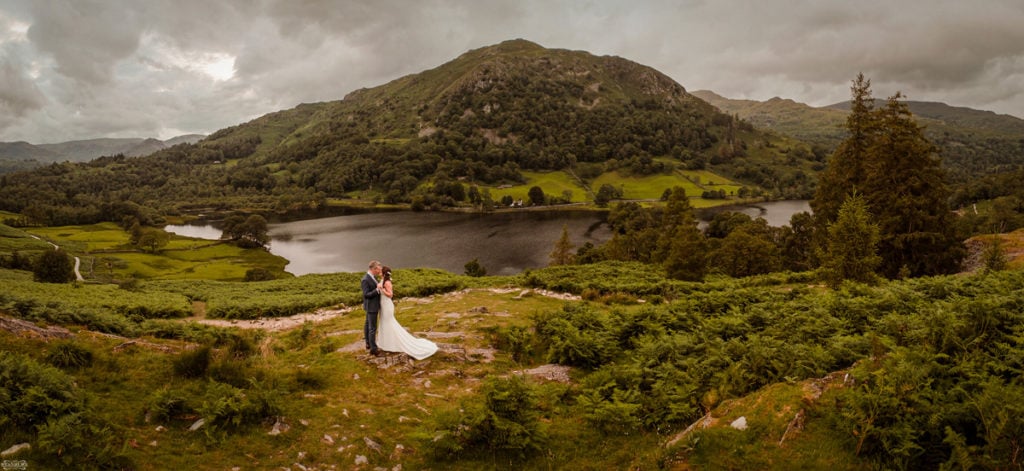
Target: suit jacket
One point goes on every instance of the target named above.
(371, 297)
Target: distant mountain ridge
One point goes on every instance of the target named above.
(30, 155)
(970, 141)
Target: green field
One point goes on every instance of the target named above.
(106, 254)
(553, 184)
(649, 187)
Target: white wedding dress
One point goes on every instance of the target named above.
(392, 337)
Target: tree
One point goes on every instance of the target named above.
(248, 232)
(797, 243)
(993, 256)
(474, 268)
(845, 171)
(852, 252)
(681, 246)
(906, 188)
(536, 195)
(562, 254)
(746, 251)
(54, 266)
(486, 202)
(606, 193)
(887, 160)
(151, 239)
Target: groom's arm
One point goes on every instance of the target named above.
(369, 289)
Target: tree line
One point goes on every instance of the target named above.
(881, 209)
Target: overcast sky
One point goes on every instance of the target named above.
(80, 69)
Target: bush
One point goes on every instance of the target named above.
(576, 336)
(168, 404)
(258, 274)
(516, 340)
(81, 441)
(194, 363)
(503, 418)
(69, 355)
(54, 266)
(33, 393)
(228, 409)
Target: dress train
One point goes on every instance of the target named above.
(392, 337)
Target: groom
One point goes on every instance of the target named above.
(371, 304)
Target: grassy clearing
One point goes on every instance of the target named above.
(649, 187)
(322, 392)
(107, 255)
(14, 239)
(553, 184)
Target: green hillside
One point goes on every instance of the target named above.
(972, 143)
(535, 371)
(486, 118)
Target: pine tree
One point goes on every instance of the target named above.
(852, 245)
(906, 188)
(887, 159)
(681, 246)
(562, 254)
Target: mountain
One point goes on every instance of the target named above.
(22, 155)
(815, 125)
(972, 143)
(22, 150)
(433, 138)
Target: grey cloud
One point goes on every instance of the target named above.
(105, 69)
(18, 94)
(86, 38)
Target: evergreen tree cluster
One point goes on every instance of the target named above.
(888, 161)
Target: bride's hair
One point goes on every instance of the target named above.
(386, 272)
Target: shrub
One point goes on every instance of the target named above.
(516, 340)
(69, 355)
(168, 404)
(228, 409)
(33, 393)
(503, 418)
(576, 336)
(194, 363)
(54, 266)
(231, 371)
(82, 441)
(258, 274)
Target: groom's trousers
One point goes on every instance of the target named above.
(370, 331)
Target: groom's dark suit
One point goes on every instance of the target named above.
(371, 304)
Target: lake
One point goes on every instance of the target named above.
(505, 243)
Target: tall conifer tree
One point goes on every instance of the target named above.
(845, 172)
(681, 245)
(887, 159)
(906, 188)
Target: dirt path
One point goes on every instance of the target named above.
(277, 324)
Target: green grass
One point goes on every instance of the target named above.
(106, 254)
(649, 187)
(322, 391)
(553, 184)
(768, 413)
(13, 239)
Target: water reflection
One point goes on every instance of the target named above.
(504, 243)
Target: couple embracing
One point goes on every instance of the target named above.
(381, 330)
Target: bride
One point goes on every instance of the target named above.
(391, 336)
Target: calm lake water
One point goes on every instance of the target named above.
(504, 243)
